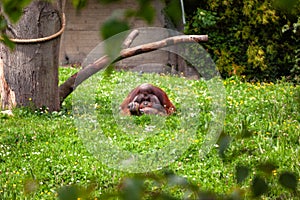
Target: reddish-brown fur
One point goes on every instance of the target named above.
(147, 93)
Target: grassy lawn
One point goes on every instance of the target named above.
(42, 152)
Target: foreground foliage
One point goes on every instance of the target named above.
(42, 156)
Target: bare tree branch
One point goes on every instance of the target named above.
(128, 41)
(68, 87)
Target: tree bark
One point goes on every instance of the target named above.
(30, 72)
(8, 99)
(69, 85)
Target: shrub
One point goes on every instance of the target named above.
(247, 37)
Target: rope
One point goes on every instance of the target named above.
(43, 39)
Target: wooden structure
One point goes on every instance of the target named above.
(82, 35)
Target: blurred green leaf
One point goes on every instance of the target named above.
(146, 11)
(30, 186)
(259, 186)
(173, 11)
(133, 189)
(107, 1)
(3, 23)
(130, 13)
(5, 40)
(287, 5)
(245, 133)
(112, 27)
(242, 173)
(177, 180)
(14, 12)
(79, 4)
(223, 142)
(288, 180)
(267, 167)
(108, 71)
(237, 194)
(76, 192)
(14, 9)
(69, 193)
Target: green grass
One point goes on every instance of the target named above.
(42, 152)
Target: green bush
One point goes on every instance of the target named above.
(257, 39)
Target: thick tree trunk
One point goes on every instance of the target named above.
(8, 100)
(31, 70)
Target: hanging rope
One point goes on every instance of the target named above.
(43, 39)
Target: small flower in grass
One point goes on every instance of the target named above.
(274, 172)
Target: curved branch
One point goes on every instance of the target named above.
(68, 87)
(128, 41)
